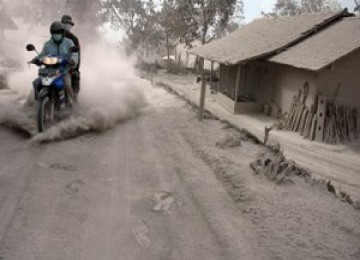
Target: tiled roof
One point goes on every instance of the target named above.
(264, 37)
(323, 48)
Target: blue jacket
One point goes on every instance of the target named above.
(61, 50)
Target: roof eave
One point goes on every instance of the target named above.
(338, 59)
(318, 69)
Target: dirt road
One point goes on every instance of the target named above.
(161, 186)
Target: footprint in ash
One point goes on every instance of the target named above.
(163, 201)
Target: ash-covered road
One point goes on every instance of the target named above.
(160, 185)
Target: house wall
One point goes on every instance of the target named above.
(184, 58)
(250, 84)
(257, 81)
(188, 60)
(228, 80)
(346, 74)
(287, 83)
(266, 82)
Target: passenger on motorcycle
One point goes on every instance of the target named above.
(66, 20)
(59, 46)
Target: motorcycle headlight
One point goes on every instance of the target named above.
(50, 60)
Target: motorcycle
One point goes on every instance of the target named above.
(49, 87)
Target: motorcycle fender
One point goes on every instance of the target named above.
(47, 81)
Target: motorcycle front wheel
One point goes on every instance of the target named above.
(43, 121)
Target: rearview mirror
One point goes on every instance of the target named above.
(30, 47)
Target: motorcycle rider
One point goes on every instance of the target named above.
(60, 46)
(67, 22)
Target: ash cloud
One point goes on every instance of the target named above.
(110, 90)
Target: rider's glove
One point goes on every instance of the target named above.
(35, 61)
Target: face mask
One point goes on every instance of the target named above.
(57, 37)
(67, 27)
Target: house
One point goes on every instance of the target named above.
(165, 60)
(184, 58)
(270, 59)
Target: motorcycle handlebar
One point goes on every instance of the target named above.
(39, 62)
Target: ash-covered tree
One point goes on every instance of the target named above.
(157, 25)
(150, 35)
(167, 21)
(126, 15)
(284, 8)
(138, 20)
(296, 7)
(172, 25)
(234, 23)
(204, 17)
(316, 6)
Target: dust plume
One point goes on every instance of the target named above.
(110, 93)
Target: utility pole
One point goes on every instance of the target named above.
(203, 90)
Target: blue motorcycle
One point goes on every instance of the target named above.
(49, 87)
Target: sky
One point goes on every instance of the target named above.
(253, 8)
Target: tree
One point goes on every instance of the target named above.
(167, 20)
(150, 36)
(284, 8)
(138, 20)
(172, 25)
(234, 23)
(357, 7)
(154, 26)
(204, 16)
(125, 14)
(316, 6)
(295, 7)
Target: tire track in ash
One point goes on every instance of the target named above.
(15, 177)
(218, 210)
